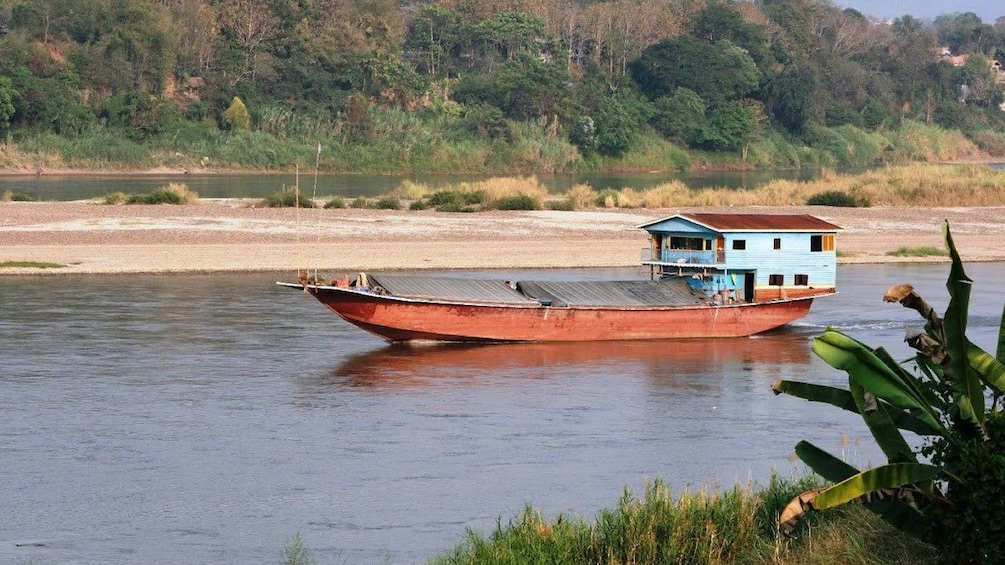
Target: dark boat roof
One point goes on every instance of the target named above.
(630, 293)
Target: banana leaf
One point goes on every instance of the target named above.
(843, 399)
(968, 392)
(897, 513)
(824, 464)
(884, 431)
(988, 369)
(1000, 353)
(872, 482)
(865, 368)
(907, 377)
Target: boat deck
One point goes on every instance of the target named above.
(630, 293)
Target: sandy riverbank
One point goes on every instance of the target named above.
(230, 236)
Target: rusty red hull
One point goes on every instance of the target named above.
(404, 319)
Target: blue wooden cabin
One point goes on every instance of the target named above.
(745, 257)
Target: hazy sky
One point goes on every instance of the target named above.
(988, 10)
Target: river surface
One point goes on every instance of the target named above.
(208, 418)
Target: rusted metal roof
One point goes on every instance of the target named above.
(755, 222)
(445, 288)
(671, 292)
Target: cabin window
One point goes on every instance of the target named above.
(822, 242)
(776, 280)
(739, 244)
(801, 280)
(689, 243)
(778, 243)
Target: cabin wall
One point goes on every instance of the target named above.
(794, 257)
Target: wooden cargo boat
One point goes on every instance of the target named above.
(711, 275)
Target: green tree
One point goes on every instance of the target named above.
(717, 73)
(618, 120)
(720, 20)
(7, 97)
(681, 116)
(788, 97)
(236, 116)
(730, 127)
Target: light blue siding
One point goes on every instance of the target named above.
(794, 258)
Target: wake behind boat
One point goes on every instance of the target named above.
(774, 267)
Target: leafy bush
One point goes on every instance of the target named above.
(387, 203)
(287, 198)
(161, 196)
(518, 202)
(419, 205)
(11, 196)
(335, 202)
(835, 198)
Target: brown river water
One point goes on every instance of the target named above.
(208, 418)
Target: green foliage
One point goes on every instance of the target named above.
(155, 197)
(788, 97)
(733, 526)
(718, 73)
(518, 202)
(947, 402)
(236, 116)
(11, 196)
(680, 116)
(335, 202)
(730, 127)
(387, 203)
(835, 198)
(287, 198)
(29, 265)
(296, 552)
(7, 97)
(924, 251)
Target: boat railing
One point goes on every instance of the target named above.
(682, 256)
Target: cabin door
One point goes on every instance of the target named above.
(720, 249)
(748, 287)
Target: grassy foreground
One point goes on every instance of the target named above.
(738, 525)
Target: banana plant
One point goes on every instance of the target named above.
(944, 401)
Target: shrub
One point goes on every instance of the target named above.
(156, 197)
(11, 196)
(287, 198)
(360, 203)
(335, 202)
(419, 205)
(519, 202)
(835, 198)
(387, 203)
(114, 198)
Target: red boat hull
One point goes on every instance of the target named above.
(403, 319)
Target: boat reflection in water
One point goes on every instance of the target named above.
(402, 365)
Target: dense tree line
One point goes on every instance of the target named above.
(708, 74)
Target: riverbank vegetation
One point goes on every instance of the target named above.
(947, 490)
(914, 185)
(556, 86)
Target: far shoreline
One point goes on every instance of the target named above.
(226, 237)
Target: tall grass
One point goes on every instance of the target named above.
(912, 185)
(738, 525)
(916, 141)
